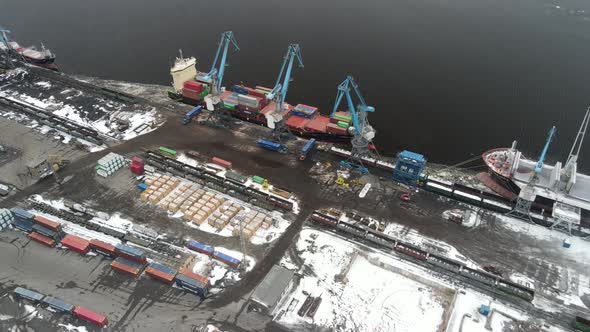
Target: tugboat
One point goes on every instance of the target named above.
(42, 58)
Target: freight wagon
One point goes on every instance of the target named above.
(381, 239)
(581, 324)
(324, 218)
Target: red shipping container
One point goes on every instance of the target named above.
(42, 239)
(250, 109)
(159, 275)
(52, 225)
(194, 86)
(124, 268)
(334, 129)
(318, 124)
(102, 246)
(136, 169)
(140, 260)
(195, 276)
(191, 94)
(76, 243)
(137, 161)
(91, 316)
(258, 87)
(221, 162)
(253, 92)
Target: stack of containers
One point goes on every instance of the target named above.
(78, 244)
(45, 231)
(195, 90)
(22, 219)
(127, 266)
(109, 164)
(137, 166)
(193, 282)
(161, 272)
(199, 247)
(6, 218)
(131, 253)
(304, 111)
(250, 103)
(227, 259)
(263, 89)
(103, 248)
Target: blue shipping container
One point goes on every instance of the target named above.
(142, 186)
(58, 304)
(196, 246)
(29, 294)
(240, 90)
(163, 268)
(130, 251)
(308, 146)
(191, 285)
(45, 231)
(20, 213)
(226, 258)
(23, 225)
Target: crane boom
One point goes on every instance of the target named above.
(344, 90)
(279, 92)
(541, 160)
(215, 75)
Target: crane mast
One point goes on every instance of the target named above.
(279, 92)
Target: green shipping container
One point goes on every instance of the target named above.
(258, 179)
(343, 117)
(343, 124)
(229, 106)
(168, 151)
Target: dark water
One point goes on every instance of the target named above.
(448, 78)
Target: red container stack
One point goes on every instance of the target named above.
(333, 128)
(102, 247)
(76, 243)
(91, 316)
(159, 275)
(195, 276)
(42, 239)
(52, 225)
(137, 166)
(221, 162)
(194, 86)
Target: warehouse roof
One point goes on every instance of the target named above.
(270, 289)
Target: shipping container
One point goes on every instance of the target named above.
(195, 276)
(42, 239)
(142, 186)
(258, 179)
(333, 128)
(131, 253)
(223, 163)
(91, 316)
(240, 89)
(236, 177)
(78, 244)
(22, 214)
(161, 272)
(48, 223)
(167, 151)
(192, 285)
(46, 232)
(227, 259)
(28, 294)
(58, 304)
(193, 86)
(137, 161)
(23, 224)
(123, 265)
(199, 247)
(103, 248)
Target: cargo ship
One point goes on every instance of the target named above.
(42, 58)
(556, 189)
(250, 104)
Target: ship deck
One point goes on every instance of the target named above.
(578, 196)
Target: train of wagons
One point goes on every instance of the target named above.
(390, 243)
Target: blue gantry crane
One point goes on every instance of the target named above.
(279, 92)
(541, 160)
(215, 78)
(363, 132)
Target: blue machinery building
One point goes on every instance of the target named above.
(408, 167)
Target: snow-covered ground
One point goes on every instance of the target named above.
(364, 289)
(358, 295)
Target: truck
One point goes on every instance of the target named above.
(307, 149)
(273, 146)
(188, 117)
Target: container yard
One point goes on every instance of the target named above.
(129, 210)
